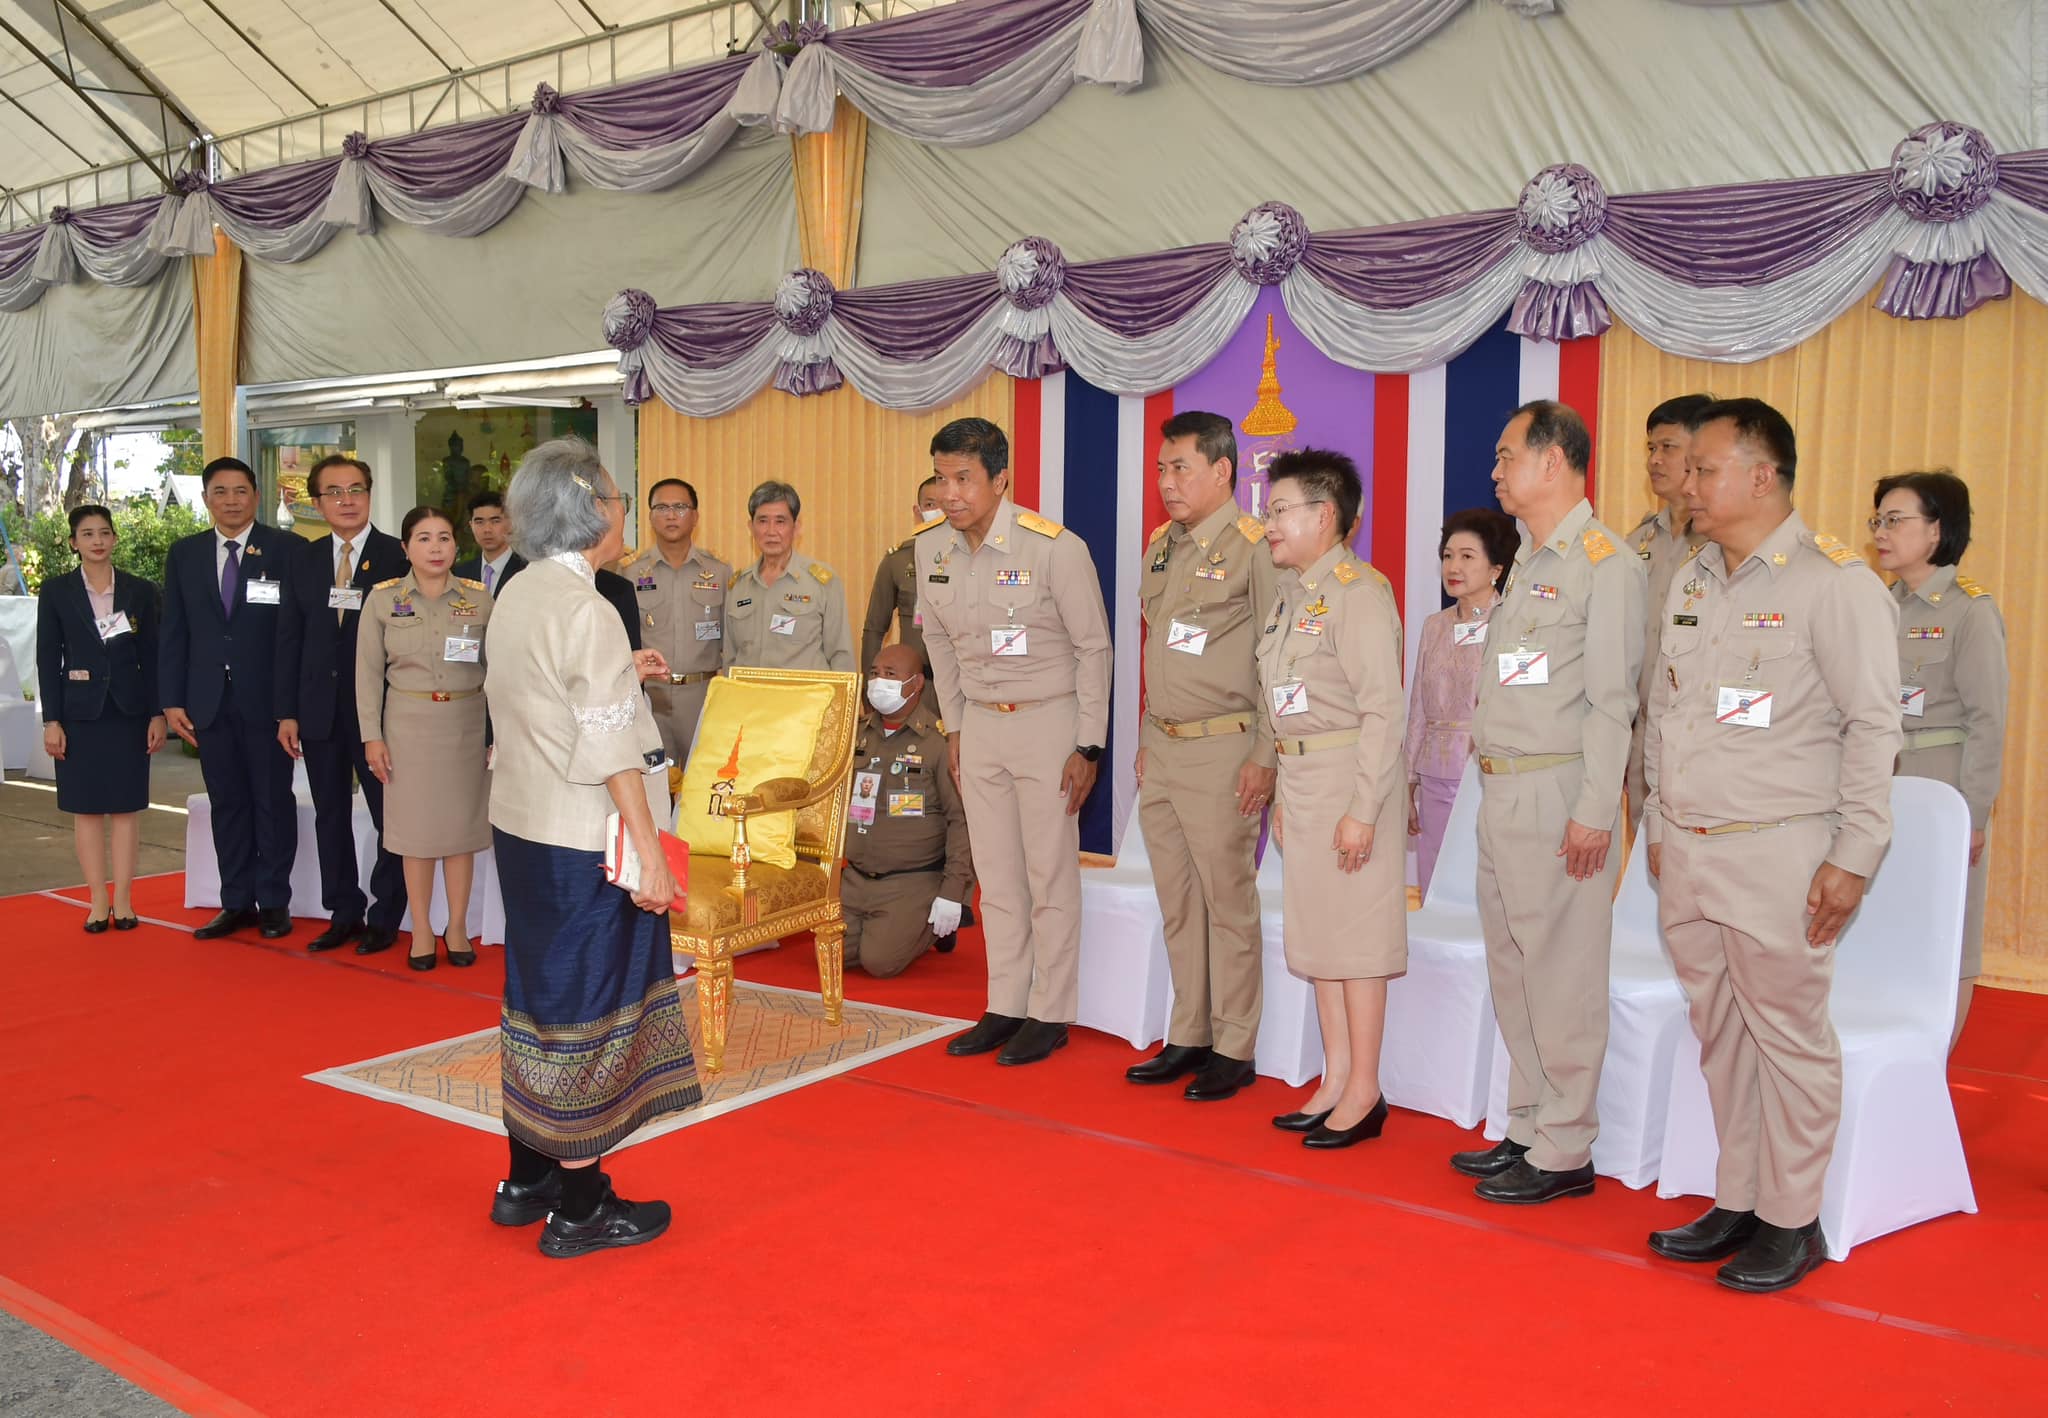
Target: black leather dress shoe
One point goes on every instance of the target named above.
(276, 922)
(337, 934)
(1489, 1161)
(1715, 1236)
(994, 1031)
(1302, 1122)
(376, 938)
(1170, 1064)
(1364, 1130)
(945, 943)
(1220, 1078)
(125, 923)
(1776, 1258)
(222, 924)
(98, 927)
(1526, 1184)
(523, 1203)
(616, 1222)
(1033, 1043)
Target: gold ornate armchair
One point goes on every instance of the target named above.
(737, 904)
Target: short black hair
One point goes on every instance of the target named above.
(977, 439)
(926, 483)
(1496, 532)
(1555, 425)
(1762, 427)
(489, 497)
(671, 482)
(1681, 410)
(1326, 476)
(93, 509)
(225, 465)
(1943, 497)
(1214, 434)
(337, 460)
(421, 514)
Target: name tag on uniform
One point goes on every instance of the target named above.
(1188, 639)
(344, 598)
(81, 674)
(782, 625)
(1913, 701)
(1743, 708)
(1472, 632)
(644, 583)
(1520, 667)
(111, 625)
(264, 593)
(710, 629)
(865, 787)
(906, 804)
(743, 603)
(462, 649)
(1006, 640)
(1290, 698)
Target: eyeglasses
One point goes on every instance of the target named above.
(678, 508)
(1890, 521)
(1276, 508)
(352, 490)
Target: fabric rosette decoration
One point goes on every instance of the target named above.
(1030, 274)
(803, 308)
(1561, 210)
(1268, 242)
(1942, 177)
(628, 321)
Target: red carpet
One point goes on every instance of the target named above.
(924, 1235)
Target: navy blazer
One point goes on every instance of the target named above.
(208, 655)
(473, 568)
(80, 675)
(619, 591)
(315, 676)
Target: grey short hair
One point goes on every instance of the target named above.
(554, 499)
(771, 491)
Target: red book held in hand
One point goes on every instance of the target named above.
(622, 860)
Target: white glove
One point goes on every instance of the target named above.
(945, 917)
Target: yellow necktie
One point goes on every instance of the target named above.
(342, 576)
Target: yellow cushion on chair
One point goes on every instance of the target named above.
(749, 733)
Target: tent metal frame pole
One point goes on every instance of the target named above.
(70, 82)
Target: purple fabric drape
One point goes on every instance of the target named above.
(1028, 359)
(802, 379)
(658, 110)
(112, 226)
(18, 248)
(1390, 268)
(1135, 295)
(972, 43)
(1935, 290)
(2024, 178)
(713, 336)
(1559, 313)
(280, 196)
(1745, 234)
(917, 319)
(447, 162)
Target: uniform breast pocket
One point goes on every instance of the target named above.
(1758, 659)
(936, 597)
(705, 608)
(1920, 660)
(405, 639)
(1679, 641)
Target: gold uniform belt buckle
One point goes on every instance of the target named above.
(440, 696)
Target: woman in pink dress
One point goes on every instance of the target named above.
(1477, 548)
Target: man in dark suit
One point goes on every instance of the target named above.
(222, 592)
(315, 701)
(495, 562)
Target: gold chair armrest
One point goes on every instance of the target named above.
(779, 795)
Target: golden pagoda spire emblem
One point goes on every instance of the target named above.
(1269, 417)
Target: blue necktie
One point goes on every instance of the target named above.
(230, 573)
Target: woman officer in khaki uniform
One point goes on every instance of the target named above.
(1330, 683)
(1952, 670)
(423, 636)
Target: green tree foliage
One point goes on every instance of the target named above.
(143, 538)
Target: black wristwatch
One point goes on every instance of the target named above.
(1090, 751)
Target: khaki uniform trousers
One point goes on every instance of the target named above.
(1733, 910)
(1547, 944)
(676, 710)
(1202, 867)
(1027, 854)
(888, 922)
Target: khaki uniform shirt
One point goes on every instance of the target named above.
(682, 608)
(1206, 594)
(1952, 668)
(799, 623)
(1662, 551)
(1579, 602)
(919, 817)
(1030, 588)
(1804, 622)
(404, 641)
(894, 597)
(1330, 656)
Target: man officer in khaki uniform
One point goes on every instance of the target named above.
(1557, 696)
(1205, 755)
(894, 596)
(680, 588)
(909, 868)
(1661, 541)
(786, 611)
(1769, 757)
(1019, 642)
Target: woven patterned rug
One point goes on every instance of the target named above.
(778, 1040)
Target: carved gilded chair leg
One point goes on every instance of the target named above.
(714, 1010)
(831, 941)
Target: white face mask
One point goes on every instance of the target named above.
(887, 695)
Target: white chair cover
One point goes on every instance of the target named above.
(1123, 976)
(1290, 1041)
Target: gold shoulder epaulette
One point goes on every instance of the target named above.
(640, 555)
(1972, 587)
(1158, 531)
(1697, 548)
(472, 585)
(1044, 526)
(921, 528)
(385, 585)
(1251, 528)
(822, 572)
(1598, 547)
(1346, 572)
(1834, 551)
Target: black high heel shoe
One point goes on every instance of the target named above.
(1364, 1130)
(125, 923)
(465, 957)
(1301, 1122)
(420, 962)
(93, 927)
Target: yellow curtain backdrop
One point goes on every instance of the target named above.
(1868, 396)
(217, 336)
(830, 168)
(855, 464)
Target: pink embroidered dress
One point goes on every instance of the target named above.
(1440, 699)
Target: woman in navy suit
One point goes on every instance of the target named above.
(96, 645)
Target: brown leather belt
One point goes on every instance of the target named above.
(694, 677)
(1336, 738)
(1203, 728)
(932, 869)
(439, 696)
(1527, 763)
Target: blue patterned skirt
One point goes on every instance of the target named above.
(592, 1041)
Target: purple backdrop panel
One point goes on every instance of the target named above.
(447, 162)
(657, 110)
(1391, 268)
(279, 196)
(713, 336)
(972, 42)
(1745, 234)
(1135, 295)
(916, 319)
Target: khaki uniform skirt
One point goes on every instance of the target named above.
(1339, 927)
(1944, 764)
(438, 801)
